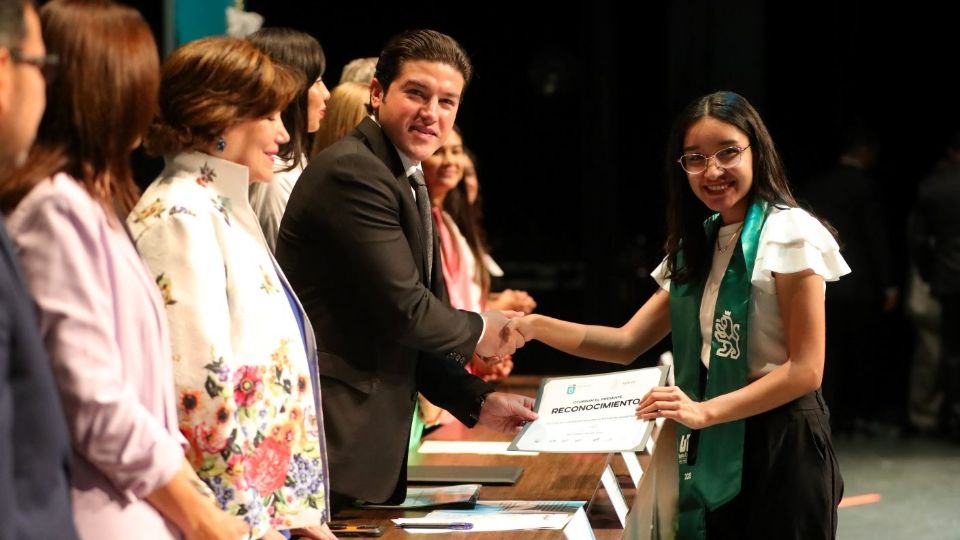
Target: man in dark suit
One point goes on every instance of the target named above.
(855, 382)
(34, 448)
(360, 255)
(936, 242)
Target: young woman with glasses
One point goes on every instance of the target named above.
(742, 293)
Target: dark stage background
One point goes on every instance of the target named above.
(570, 108)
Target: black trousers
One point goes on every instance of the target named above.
(950, 349)
(791, 482)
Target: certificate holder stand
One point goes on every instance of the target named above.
(654, 512)
(632, 462)
(612, 486)
(633, 466)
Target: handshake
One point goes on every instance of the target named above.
(503, 412)
(501, 335)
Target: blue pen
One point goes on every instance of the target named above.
(453, 526)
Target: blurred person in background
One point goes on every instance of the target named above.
(303, 54)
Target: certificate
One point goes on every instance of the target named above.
(592, 413)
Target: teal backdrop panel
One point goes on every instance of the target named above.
(195, 19)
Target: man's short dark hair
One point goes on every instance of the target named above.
(12, 26)
(428, 45)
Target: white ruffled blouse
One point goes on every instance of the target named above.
(791, 241)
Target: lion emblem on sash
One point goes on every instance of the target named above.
(727, 333)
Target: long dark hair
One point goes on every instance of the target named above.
(302, 53)
(99, 104)
(685, 211)
(469, 219)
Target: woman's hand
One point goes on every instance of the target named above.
(489, 372)
(219, 525)
(670, 402)
(512, 299)
(525, 325)
(189, 503)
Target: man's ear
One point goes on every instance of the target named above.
(377, 94)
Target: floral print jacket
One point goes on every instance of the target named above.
(246, 391)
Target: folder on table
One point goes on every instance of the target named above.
(463, 474)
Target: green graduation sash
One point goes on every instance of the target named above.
(710, 470)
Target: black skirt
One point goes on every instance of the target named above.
(791, 482)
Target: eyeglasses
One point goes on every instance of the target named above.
(46, 63)
(726, 158)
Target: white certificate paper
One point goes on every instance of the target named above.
(592, 413)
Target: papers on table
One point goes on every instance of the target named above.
(498, 516)
(593, 413)
(470, 447)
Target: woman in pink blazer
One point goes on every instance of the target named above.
(100, 314)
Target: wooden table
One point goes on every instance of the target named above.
(573, 477)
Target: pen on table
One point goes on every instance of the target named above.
(454, 526)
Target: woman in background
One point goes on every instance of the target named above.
(468, 216)
(346, 108)
(462, 252)
(303, 54)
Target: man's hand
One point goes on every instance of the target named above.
(506, 413)
(500, 337)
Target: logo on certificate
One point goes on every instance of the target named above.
(571, 389)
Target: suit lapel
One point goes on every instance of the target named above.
(374, 137)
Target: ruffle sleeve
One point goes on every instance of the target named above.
(660, 275)
(791, 241)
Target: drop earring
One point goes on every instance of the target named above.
(221, 144)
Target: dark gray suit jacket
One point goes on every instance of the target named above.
(34, 445)
(936, 233)
(351, 244)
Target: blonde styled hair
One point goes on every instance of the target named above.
(345, 109)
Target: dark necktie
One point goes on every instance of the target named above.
(423, 207)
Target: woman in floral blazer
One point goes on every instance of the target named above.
(244, 358)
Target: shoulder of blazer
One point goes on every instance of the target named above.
(373, 137)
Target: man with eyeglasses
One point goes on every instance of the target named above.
(22, 88)
(34, 448)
